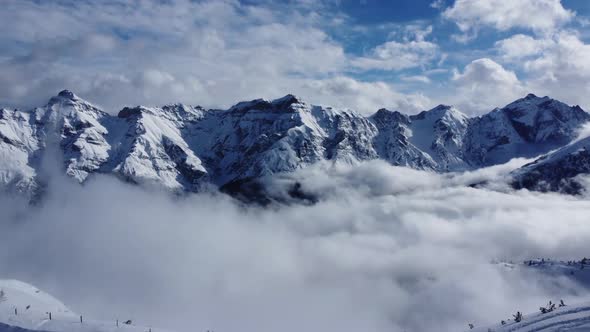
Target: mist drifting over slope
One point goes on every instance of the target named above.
(384, 249)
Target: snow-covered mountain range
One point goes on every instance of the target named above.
(185, 148)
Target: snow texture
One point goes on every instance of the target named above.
(33, 307)
(557, 171)
(184, 148)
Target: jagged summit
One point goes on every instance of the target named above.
(440, 111)
(287, 100)
(384, 112)
(280, 104)
(529, 100)
(127, 112)
(177, 106)
(441, 107)
(176, 112)
(68, 102)
(185, 148)
(556, 171)
(535, 115)
(65, 97)
(527, 127)
(184, 112)
(531, 96)
(67, 94)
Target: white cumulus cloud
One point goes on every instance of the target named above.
(394, 55)
(520, 46)
(536, 15)
(368, 96)
(485, 82)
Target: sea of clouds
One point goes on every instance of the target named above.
(383, 249)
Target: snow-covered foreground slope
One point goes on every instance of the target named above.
(185, 148)
(26, 308)
(573, 318)
(564, 316)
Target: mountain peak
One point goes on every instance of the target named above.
(280, 104)
(68, 95)
(382, 112)
(441, 107)
(127, 111)
(260, 137)
(287, 100)
(69, 101)
(531, 97)
(529, 102)
(440, 111)
(386, 117)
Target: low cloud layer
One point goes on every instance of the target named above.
(384, 249)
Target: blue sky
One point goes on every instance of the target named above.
(399, 13)
(361, 54)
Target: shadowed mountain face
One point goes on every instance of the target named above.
(557, 171)
(527, 127)
(185, 148)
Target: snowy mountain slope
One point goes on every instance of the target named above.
(184, 148)
(556, 171)
(32, 313)
(527, 128)
(92, 141)
(575, 270)
(67, 125)
(440, 133)
(430, 140)
(570, 318)
(261, 137)
(152, 151)
(80, 133)
(393, 141)
(18, 146)
(8, 328)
